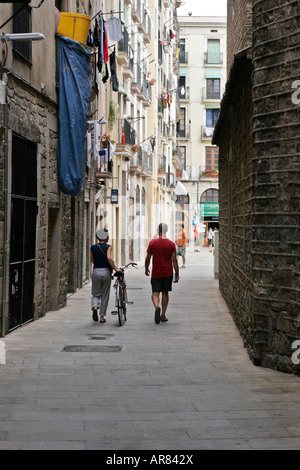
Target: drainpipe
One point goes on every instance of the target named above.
(5, 193)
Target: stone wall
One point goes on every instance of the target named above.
(276, 179)
(258, 135)
(239, 28)
(34, 117)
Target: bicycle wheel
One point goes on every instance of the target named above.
(121, 307)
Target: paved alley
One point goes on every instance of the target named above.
(184, 384)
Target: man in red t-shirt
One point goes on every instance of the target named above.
(163, 253)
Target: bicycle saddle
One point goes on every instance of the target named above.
(118, 274)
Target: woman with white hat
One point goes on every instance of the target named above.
(101, 276)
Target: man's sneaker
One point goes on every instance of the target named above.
(183, 266)
(95, 315)
(157, 315)
(163, 318)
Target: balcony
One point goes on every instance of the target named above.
(142, 93)
(126, 138)
(176, 158)
(123, 49)
(142, 25)
(207, 133)
(136, 83)
(142, 164)
(103, 168)
(136, 11)
(148, 94)
(210, 95)
(147, 33)
(183, 57)
(206, 173)
(160, 109)
(128, 71)
(213, 58)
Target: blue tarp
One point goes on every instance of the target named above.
(74, 100)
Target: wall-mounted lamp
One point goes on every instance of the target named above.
(22, 37)
(100, 121)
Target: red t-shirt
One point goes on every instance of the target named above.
(161, 250)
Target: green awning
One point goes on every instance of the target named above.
(212, 73)
(212, 106)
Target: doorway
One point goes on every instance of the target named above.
(23, 232)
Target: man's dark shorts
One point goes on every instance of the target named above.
(162, 284)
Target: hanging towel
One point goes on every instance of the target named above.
(96, 138)
(114, 28)
(88, 149)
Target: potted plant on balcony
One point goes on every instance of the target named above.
(136, 148)
(105, 139)
(210, 173)
(160, 169)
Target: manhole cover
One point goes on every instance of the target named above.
(101, 338)
(92, 348)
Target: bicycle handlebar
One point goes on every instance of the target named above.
(117, 273)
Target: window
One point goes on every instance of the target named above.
(182, 83)
(182, 157)
(213, 51)
(213, 88)
(210, 195)
(211, 117)
(181, 123)
(211, 158)
(22, 24)
(182, 52)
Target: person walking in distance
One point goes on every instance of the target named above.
(101, 277)
(163, 254)
(210, 239)
(181, 246)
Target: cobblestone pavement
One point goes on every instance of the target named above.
(184, 384)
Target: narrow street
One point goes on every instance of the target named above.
(183, 384)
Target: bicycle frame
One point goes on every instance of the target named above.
(121, 299)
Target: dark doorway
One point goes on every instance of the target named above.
(23, 232)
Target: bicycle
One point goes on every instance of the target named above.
(121, 294)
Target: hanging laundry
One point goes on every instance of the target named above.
(96, 34)
(103, 48)
(114, 28)
(105, 74)
(112, 149)
(88, 149)
(96, 139)
(90, 39)
(113, 71)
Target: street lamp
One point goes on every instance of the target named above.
(22, 37)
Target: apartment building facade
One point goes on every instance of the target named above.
(202, 77)
(46, 228)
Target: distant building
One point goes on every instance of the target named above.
(202, 60)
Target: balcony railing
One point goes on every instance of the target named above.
(142, 163)
(183, 57)
(211, 95)
(216, 58)
(207, 132)
(123, 44)
(129, 133)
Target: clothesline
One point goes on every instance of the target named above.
(107, 13)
